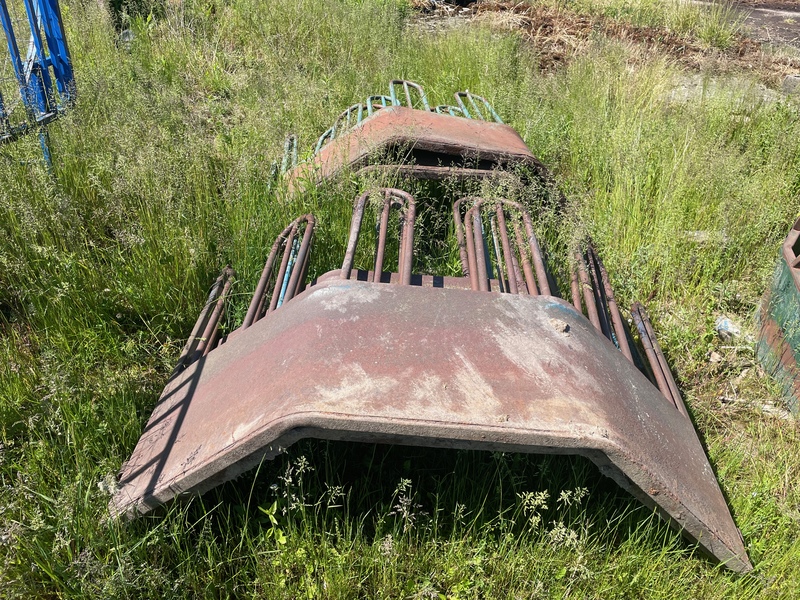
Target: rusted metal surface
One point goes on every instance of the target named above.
(473, 246)
(778, 318)
(411, 96)
(205, 331)
(529, 374)
(422, 137)
(428, 361)
(390, 198)
(658, 362)
(430, 172)
(292, 271)
(591, 286)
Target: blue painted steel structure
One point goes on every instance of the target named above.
(44, 74)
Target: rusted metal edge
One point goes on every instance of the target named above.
(445, 137)
(777, 356)
(428, 172)
(778, 320)
(655, 356)
(530, 375)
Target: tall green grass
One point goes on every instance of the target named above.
(162, 177)
(715, 25)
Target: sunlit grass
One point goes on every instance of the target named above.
(162, 176)
(715, 24)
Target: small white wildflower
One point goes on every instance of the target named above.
(560, 534)
(108, 484)
(405, 508)
(387, 546)
(532, 504)
(570, 497)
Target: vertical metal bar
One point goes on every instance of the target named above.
(209, 333)
(213, 341)
(36, 35)
(406, 89)
(575, 289)
(475, 106)
(289, 271)
(372, 100)
(301, 285)
(302, 259)
(461, 104)
(355, 230)
(588, 293)
(658, 362)
(471, 252)
(392, 197)
(599, 295)
(380, 247)
(536, 251)
(501, 222)
(523, 249)
(408, 213)
(408, 94)
(616, 317)
(480, 254)
(649, 351)
(199, 324)
(472, 97)
(328, 135)
(462, 244)
(521, 287)
(59, 58)
(487, 255)
(256, 303)
(287, 253)
(639, 316)
(498, 256)
(408, 240)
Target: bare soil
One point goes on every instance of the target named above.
(559, 34)
(776, 23)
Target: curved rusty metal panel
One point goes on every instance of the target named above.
(443, 367)
(444, 137)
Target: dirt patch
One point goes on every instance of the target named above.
(786, 5)
(559, 34)
(774, 23)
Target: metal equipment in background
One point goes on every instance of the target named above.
(493, 359)
(36, 78)
(778, 319)
(358, 132)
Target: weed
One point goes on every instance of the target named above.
(162, 177)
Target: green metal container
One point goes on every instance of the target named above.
(778, 319)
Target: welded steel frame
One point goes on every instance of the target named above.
(45, 76)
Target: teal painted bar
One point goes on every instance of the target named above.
(781, 304)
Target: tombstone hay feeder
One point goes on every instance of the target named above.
(36, 78)
(491, 359)
(778, 319)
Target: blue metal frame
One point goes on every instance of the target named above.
(46, 63)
